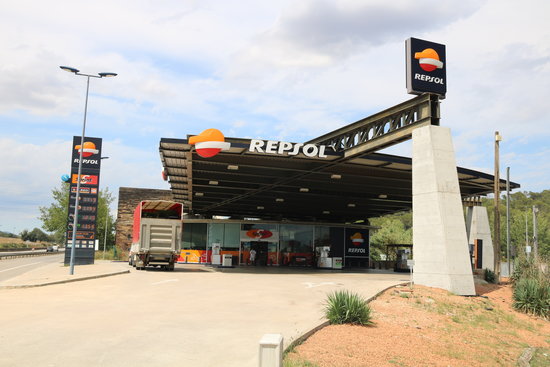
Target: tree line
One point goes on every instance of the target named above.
(36, 235)
(521, 220)
(397, 228)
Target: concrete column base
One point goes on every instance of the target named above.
(478, 228)
(441, 250)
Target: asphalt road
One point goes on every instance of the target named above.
(10, 268)
(187, 317)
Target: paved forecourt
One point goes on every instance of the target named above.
(190, 317)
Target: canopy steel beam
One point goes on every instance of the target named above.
(383, 129)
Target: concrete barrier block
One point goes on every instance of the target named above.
(271, 350)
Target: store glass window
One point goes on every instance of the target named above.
(296, 245)
(231, 235)
(226, 234)
(332, 237)
(215, 234)
(194, 236)
(322, 236)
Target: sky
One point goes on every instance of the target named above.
(279, 70)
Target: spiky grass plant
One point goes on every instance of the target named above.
(344, 307)
(489, 276)
(532, 295)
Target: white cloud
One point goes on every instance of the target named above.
(30, 171)
(276, 70)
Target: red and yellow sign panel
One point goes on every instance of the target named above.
(86, 179)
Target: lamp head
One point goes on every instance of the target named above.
(107, 75)
(69, 69)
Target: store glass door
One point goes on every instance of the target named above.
(265, 253)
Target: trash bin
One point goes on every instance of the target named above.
(227, 260)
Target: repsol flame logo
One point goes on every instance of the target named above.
(428, 59)
(259, 234)
(209, 143)
(88, 149)
(357, 239)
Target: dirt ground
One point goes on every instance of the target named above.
(20, 243)
(430, 327)
(4, 240)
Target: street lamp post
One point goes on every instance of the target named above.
(496, 244)
(508, 221)
(535, 234)
(77, 201)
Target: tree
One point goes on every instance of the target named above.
(35, 235)
(394, 229)
(521, 206)
(54, 217)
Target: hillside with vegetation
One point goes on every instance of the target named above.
(397, 228)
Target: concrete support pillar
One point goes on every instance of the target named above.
(477, 221)
(441, 251)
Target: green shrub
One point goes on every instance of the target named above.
(489, 276)
(298, 363)
(524, 268)
(344, 307)
(532, 295)
(110, 254)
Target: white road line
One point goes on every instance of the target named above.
(165, 281)
(20, 266)
(313, 285)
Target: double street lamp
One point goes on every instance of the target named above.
(77, 202)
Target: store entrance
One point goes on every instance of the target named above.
(265, 253)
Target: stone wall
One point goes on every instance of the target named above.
(128, 199)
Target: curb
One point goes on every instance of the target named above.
(64, 281)
(307, 334)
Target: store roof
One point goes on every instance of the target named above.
(240, 184)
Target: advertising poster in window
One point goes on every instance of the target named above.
(357, 242)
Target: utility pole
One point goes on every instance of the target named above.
(105, 237)
(526, 235)
(535, 239)
(496, 244)
(508, 221)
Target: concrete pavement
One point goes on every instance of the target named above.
(57, 273)
(193, 316)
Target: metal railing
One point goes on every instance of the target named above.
(28, 254)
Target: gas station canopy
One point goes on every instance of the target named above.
(241, 183)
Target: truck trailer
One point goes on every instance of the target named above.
(156, 234)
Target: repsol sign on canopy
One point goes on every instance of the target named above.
(426, 67)
(285, 148)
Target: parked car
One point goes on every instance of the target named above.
(52, 248)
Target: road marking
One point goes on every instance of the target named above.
(313, 285)
(20, 266)
(165, 281)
